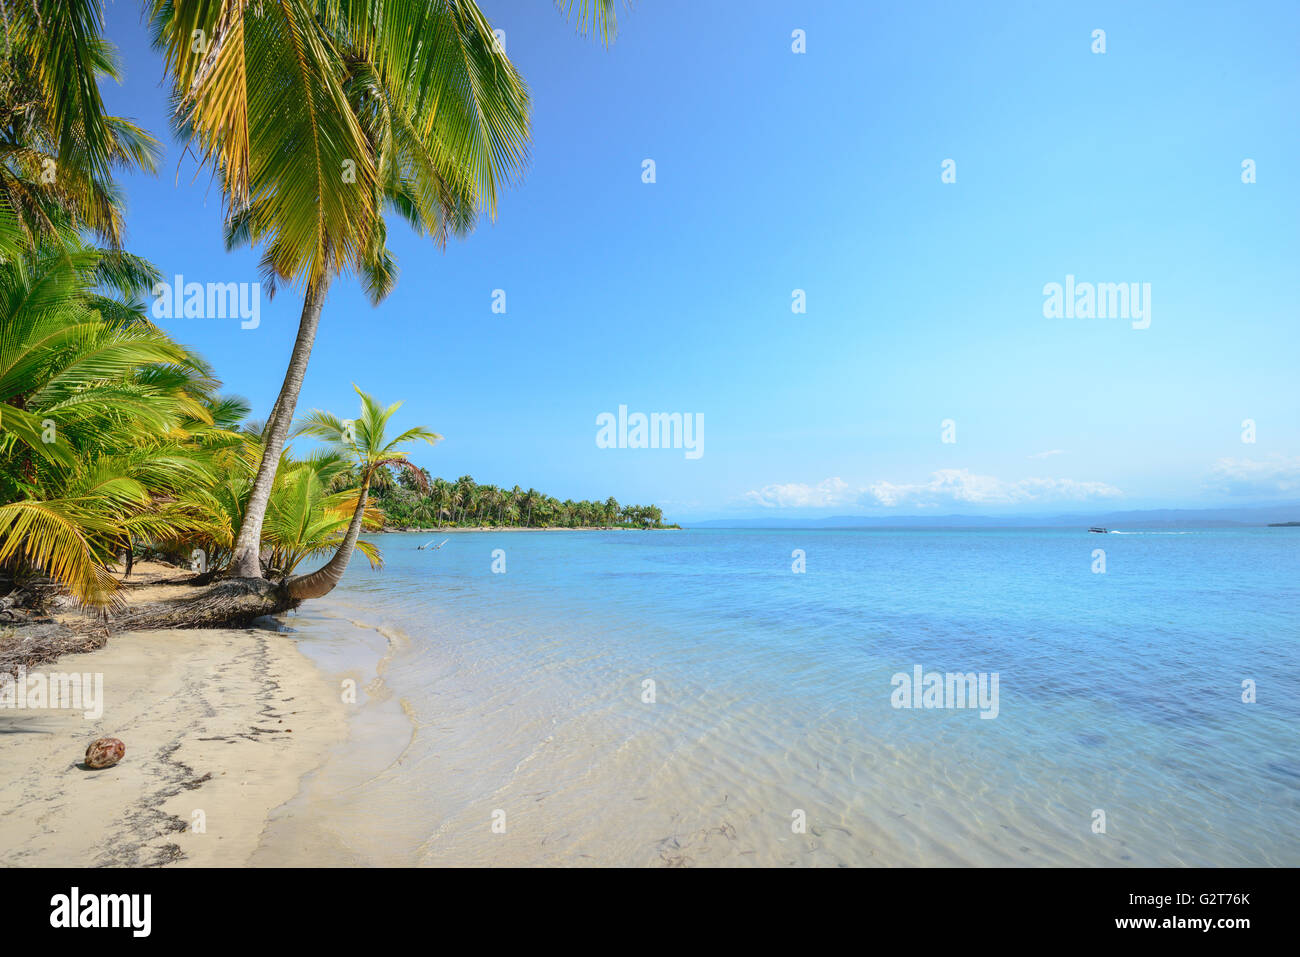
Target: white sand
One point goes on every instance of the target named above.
(220, 722)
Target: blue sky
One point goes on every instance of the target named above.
(821, 171)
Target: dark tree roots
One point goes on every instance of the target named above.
(231, 603)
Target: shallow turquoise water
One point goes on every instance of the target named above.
(1119, 693)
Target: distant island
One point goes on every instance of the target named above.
(424, 502)
(1284, 524)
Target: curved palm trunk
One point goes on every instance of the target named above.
(322, 581)
(246, 561)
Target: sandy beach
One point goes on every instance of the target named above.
(219, 727)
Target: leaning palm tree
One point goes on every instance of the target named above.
(404, 106)
(305, 520)
(318, 117)
(364, 440)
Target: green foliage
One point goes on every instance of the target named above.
(465, 503)
(58, 147)
(303, 520)
(113, 437)
(99, 414)
(318, 118)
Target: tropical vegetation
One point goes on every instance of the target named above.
(318, 119)
(115, 441)
(364, 440)
(426, 502)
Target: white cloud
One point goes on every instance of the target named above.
(1276, 475)
(945, 487)
(1047, 454)
(833, 491)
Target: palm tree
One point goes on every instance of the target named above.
(382, 480)
(375, 133)
(97, 412)
(463, 489)
(408, 105)
(475, 503)
(423, 513)
(303, 520)
(491, 503)
(442, 499)
(58, 146)
(529, 501)
(370, 449)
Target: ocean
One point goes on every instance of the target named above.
(734, 697)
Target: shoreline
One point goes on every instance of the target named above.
(220, 726)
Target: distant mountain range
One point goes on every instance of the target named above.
(1151, 518)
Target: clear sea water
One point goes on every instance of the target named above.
(503, 716)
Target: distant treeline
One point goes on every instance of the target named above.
(464, 502)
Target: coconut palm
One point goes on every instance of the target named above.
(365, 442)
(409, 106)
(58, 146)
(473, 503)
(94, 411)
(441, 495)
(460, 497)
(318, 117)
(303, 520)
(423, 514)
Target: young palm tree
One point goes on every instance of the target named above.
(320, 116)
(365, 442)
(303, 520)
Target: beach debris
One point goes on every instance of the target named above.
(104, 753)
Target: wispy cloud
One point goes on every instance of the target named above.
(945, 487)
(1048, 454)
(1276, 475)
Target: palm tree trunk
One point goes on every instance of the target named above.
(246, 561)
(322, 581)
